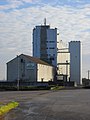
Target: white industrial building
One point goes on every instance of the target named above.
(45, 43)
(63, 60)
(27, 68)
(75, 61)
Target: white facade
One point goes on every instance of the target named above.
(63, 56)
(45, 73)
(45, 44)
(75, 61)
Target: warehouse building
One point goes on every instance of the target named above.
(27, 68)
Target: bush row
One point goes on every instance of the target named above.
(14, 88)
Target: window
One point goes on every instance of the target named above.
(51, 48)
(43, 48)
(51, 58)
(22, 60)
(51, 41)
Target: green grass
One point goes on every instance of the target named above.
(56, 87)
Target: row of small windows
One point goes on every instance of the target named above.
(50, 54)
(43, 54)
(50, 41)
(47, 41)
(44, 48)
(51, 48)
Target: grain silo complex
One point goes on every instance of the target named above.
(51, 60)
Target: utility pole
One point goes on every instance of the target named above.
(66, 70)
(88, 74)
(18, 73)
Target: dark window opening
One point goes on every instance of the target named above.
(51, 58)
(51, 48)
(51, 41)
(22, 60)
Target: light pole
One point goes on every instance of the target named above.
(88, 74)
(66, 70)
(18, 72)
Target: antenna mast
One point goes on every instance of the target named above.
(45, 21)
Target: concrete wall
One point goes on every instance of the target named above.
(75, 61)
(44, 73)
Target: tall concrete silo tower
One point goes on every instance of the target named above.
(75, 61)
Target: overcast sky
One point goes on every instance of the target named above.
(19, 17)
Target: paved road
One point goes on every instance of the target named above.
(49, 105)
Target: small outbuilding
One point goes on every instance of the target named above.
(27, 68)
